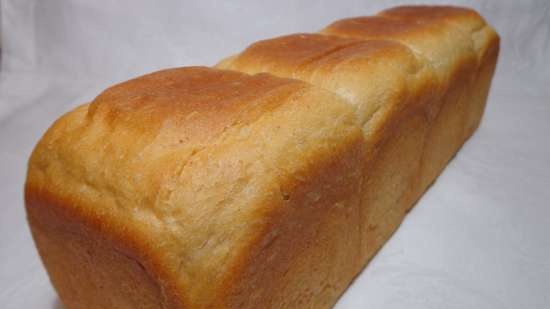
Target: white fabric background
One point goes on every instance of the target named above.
(479, 238)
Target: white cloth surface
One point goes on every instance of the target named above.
(480, 236)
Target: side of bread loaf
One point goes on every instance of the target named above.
(419, 74)
(391, 92)
(205, 188)
(462, 49)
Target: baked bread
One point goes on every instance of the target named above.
(266, 188)
(462, 49)
(418, 78)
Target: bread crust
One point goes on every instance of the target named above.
(205, 188)
(190, 211)
(462, 49)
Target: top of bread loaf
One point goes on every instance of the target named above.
(369, 74)
(405, 56)
(189, 163)
(447, 36)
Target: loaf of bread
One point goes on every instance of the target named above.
(267, 182)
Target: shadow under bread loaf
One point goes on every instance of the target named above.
(205, 188)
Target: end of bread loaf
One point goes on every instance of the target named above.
(200, 183)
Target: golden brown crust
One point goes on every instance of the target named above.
(371, 74)
(187, 100)
(392, 92)
(168, 199)
(455, 41)
(430, 13)
(441, 34)
(202, 188)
